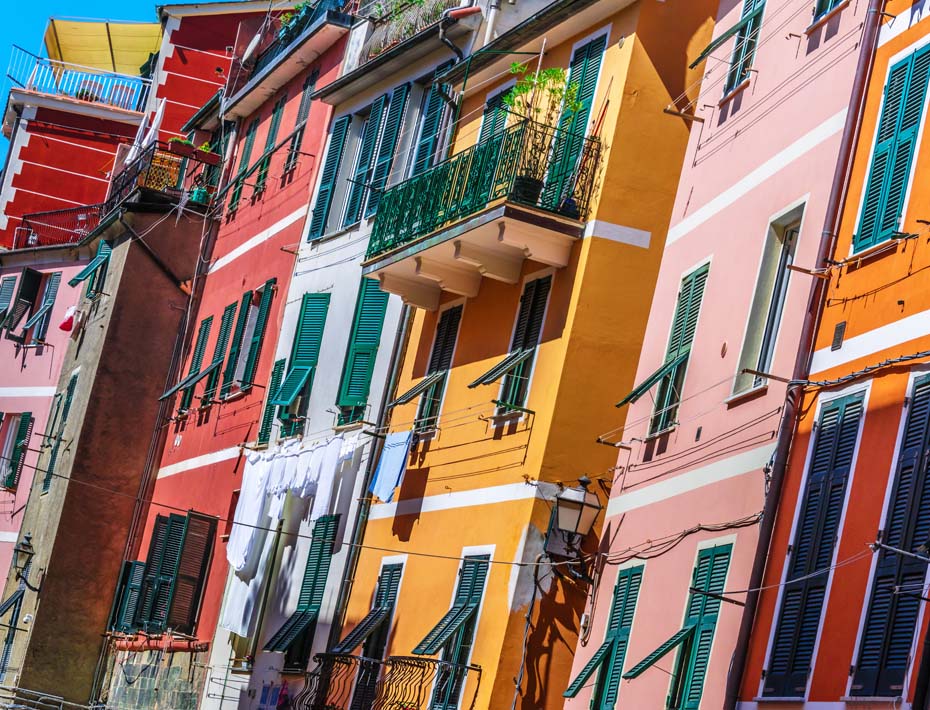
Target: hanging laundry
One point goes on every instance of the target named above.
(68, 323)
(330, 464)
(279, 482)
(250, 512)
(392, 465)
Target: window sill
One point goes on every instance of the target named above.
(777, 699)
(873, 253)
(334, 233)
(351, 426)
(734, 92)
(893, 701)
(662, 432)
(826, 17)
(739, 398)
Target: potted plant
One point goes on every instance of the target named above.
(85, 95)
(205, 155)
(539, 98)
(181, 146)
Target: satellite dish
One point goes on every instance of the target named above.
(250, 50)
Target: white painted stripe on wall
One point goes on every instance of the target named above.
(730, 467)
(199, 461)
(9, 536)
(27, 391)
(618, 233)
(259, 238)
(873, 341)
(770, 167)
(462, 499)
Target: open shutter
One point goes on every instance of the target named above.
(385, 599)
(41, 317)
(127, 601)
(679, 637)
(200, 347)
(150, 575)
(588, 669)
(584, 70)
(59, 434)
(428, 141)
(622, 611)
(812, 548)
(363, 345)
(745, 20)
(244, 159)
(270, 140)
(387, 147)
(219, 351)
(303, 112)
(255, 346)
(191, 573)
(324, 195)
(894, 603)
(358, 188)
(305, 353)
(312, 587)
(20, 448)
(229, 374)
(468, 593)
(7, 287)
(264, 430)
(167, 572)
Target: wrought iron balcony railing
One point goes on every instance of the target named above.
(48, 76)
(527, 163)
(342, 682)
(287, 33)
(69, 226)
(396, 21)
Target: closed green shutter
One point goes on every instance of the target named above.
(894, 603)
(327, 189)
(312, 587)
(264, 430)
(229, 374)
(305, 352)
(385, 599)
(363, 345)
(150, 578)
(472, 577)
(203, 333)
(258, 335)
(583, 71)
(59, 434)
(387, 146)
(39, 320)
(815, 538)
(244, 159)
(358, 188)
(494, 118)
(191, 573)
(128, 597)
(431, 388)
(272, 137)
(219, 352)
(7, 287)
(303, 113)
(895, 145)
(428, 141)
(20, 448)
(526, 336)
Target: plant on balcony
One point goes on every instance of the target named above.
(85, 95)
(540, 98)
(291, 20)
(181, 146)
(205, 155)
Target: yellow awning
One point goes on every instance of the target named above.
(121, 47)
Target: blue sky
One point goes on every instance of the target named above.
(25, 26)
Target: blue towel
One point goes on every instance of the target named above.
(392, 465)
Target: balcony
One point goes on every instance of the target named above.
(32, 73)
(283, 51)
(525, 193)
(57, 227)
(343, 682)
(400, 22)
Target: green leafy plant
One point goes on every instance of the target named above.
(205, 146)
(177, 140)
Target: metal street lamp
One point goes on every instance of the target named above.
(577, 508)
(22, 559)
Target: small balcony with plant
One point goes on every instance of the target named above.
(523, 193)
(282, 48)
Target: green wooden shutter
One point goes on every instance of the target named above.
(150, 576)
(584, 70)
(525, 339)
(258, 335)
(815, 538)
(588, 669)
(358, 188)
(303, 113)
(327, 189)
(219, 351)
(472, 577)
(190, 573)
(7, 288)
(20, 448)
(895, 145)
(682, 637)
(200, 347)
(428, 142)
(264, 430)
(272, 137)
(447, 330)
(59, 434)
(494, 118)
(229, 374)
(363, 345)
(746, 40)
(891, 616)
(385, 599)
(305, 352)
(626, 593)
(312, 587)
(388, 146)
(167, 572)
(244, 159)
(40, 318)
(127, 602)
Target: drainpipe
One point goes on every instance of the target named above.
(789, 420)
(450, 17)
(364, 507)
(493, 11)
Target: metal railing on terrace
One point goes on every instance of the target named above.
(68, 226)
(290, 31)
(343, 682)
(527, 163)
(48, 76)
(397, 20)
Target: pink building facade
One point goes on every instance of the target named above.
(682, 522)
